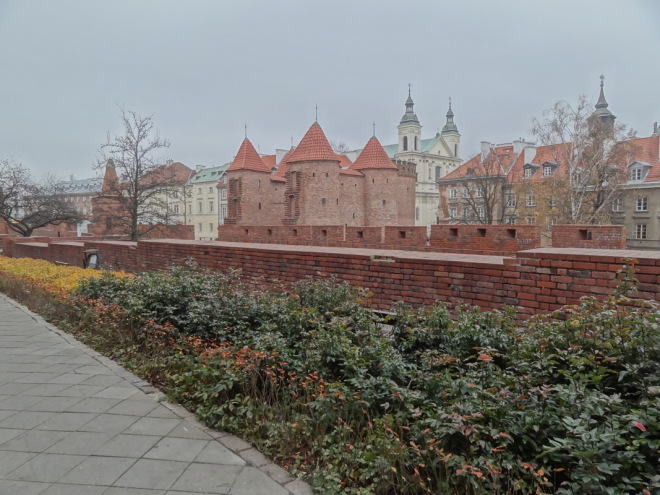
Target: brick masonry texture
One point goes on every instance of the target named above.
(535, 281)
(589, 236)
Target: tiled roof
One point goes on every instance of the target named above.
(81, 186)
(247, 158)
(373, 156)
(313, 146)
(269, 160)
(280, 173)
(209, 174)
(344, 161)
(647, 150)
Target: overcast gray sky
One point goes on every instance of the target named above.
(204, 68)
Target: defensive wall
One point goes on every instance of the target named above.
(535, 280)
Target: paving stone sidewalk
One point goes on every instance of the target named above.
(73, 422)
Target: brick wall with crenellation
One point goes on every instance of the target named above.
(589, 236)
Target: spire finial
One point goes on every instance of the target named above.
(317, 114)
(602, 80)
(374, 126)
(450, 103)
(291, 141)
(246, 131)
(408, 90)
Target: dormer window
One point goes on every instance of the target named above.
(638, 171)
(528, 173)
(547, 170)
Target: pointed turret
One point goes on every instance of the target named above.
(314, 146)
(110, 185)
(373, 156)
(602, 111)
(247, 158)
(450, 126)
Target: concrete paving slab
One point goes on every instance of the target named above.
(73, 422)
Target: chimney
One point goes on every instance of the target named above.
(529, 150)
(485, 149)
(655, 129)
(518, 145)
(198, 168)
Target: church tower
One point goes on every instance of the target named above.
(450, 133)
(606, 117)
(410, 130)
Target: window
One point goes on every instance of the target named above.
(200, 227)
(552, 203)
(481, 212)
(640, 231)
(415, 143)
(189, 208)
(176, 209)
(530, 201)
(384, 202)
(430, 170)
(322, 201)
(405, 143)
(641, 204)
(452, 193)
(531, 220)
(438, 172)
(511, 201)
(224, 212)
(210, 227)
(210, 206)
(466, 192)
(479, 192)
(199, 207)
(528, 173)
(617, 205)
(547, 170)
(210, 189)
(224, 194)
(199, 190)
(511, 220)
(636, 174)
(453, 213)
(466, 213)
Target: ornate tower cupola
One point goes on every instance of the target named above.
(606, 117)
(410, 130)
(450, 133)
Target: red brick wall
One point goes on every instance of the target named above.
(319, 194)
(380, 197)
(484, 238)
(589, 236)
(400, 236)
(536, 281)
(70, 253)
(261, 200)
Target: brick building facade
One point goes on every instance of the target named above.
(314, 186)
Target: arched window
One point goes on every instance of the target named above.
(405, 143)
(455, 150)
(415, 143)
(437, 173)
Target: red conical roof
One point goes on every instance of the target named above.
(373, 156)
(313, 146)
(110, 180)
(247, 158)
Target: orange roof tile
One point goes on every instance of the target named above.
(313, 146)
(269, 160)
(247, 158)
(344, 161)
(281, 168)
(373, 156)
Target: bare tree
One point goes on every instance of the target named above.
(484, 190)
(26, 204)
(136, 201)
(590, 154)
(339, 147)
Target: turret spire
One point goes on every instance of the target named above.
(601, 106)
(450, 126)
(409, 117)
